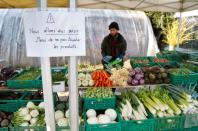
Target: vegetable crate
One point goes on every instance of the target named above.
(141, 125)
(4, 129)
(183, 78)
(20, 128)
(10, 105)
(191, 129)
(194, 57)
(81, 128)
(144, 62)
(169, 123)
(103, 127)
(35, 83)
(99, 103)
(191, 120)
(58, 78)
(23, 101)
(170, 55)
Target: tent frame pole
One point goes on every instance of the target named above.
(47, 83)
(73, 89)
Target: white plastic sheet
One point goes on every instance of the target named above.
(134, 26)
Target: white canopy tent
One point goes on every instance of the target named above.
(144, 5)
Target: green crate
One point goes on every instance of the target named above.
(134, 64)
(169, 123)
(193, 57)
(183, 78)
(20, 84)
(171, 55)
(59, 69)
(20, 128)
(190, 66)
(22, 102)
(103, 127)
(81, 128)
(191, 120)
(10, 105)
(191, 129)
(171, 64)
(140, 125)
(160, 63)
(99, 103)
(4, 129)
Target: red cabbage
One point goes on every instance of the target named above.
(132, 73)
(134, 82)
(129, 80)
(142, 81)
(138, 76)
(137, 70)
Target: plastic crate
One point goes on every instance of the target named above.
(183, 78)
(10, 105)
(19, 128)
(4, 129)
(99, 103)
(134, 64)
(193, 57)
(191, 120)
(169, 123)
(190, 66)
(12, 83)
(141, 125)
(103, 127)
(81, 128)
(58, 86)
(191, 129)
(160, 63)
(171, 55)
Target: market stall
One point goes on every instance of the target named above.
(147, 93)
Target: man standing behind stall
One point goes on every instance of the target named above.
(114, 45)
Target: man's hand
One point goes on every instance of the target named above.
(120, 57)
(107, 59)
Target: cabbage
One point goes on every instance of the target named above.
(81, 76)
(129, 80)
(62, 122)
(131, 73)
(92, 120)
(137, 70)
(138, 76)
(104, 119)
(58, 115)
(85, 83)
(142, 81)
(91, 82)
(111, 113)
(91, 113)
(134, 82)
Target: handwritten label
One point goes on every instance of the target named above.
(52, 34)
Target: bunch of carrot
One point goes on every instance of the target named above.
(101, 79)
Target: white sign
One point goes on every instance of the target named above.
(54, 33)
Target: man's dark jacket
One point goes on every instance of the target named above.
(120, 46)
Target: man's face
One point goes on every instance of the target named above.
(113, 31)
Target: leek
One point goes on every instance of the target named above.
(150, 108)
